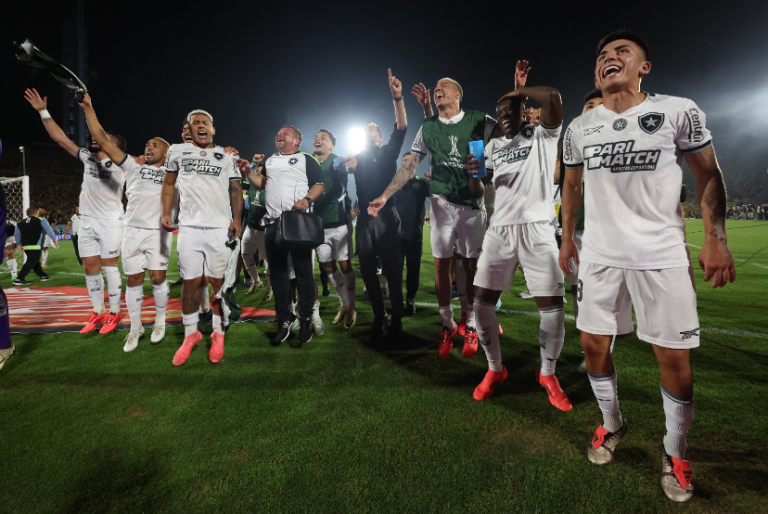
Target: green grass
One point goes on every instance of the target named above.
(343, 425)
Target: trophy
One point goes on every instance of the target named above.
(27, 52)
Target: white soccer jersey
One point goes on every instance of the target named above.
(632, 177)
(523, 175)
(203, 181)
(101, 195)
(143, 186)
(289, 179)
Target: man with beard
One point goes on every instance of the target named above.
(210, 211)
(146, 246)
(101, 209)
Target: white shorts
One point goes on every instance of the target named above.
(100, 237)
(455, 226)
(573, 278)
(664, 302)
(338, 241)
(253, 241)
(145, 249)
(47, 241)
(202, 251)
(531, 244)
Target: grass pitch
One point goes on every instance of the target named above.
(343, 425)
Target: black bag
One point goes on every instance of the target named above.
(299, 230)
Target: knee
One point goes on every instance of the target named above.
(674, 361)
(595, 345)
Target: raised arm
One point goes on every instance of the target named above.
(547, 97)
(569, 208)
(406, 172)
(423, 95)
(59, 137)
(715, 258)
(98, 132)
(247, 172)
(396, 87)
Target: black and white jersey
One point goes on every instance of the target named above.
(632, 166)
(289, 179)
(143, 187)
(101, 195)
(203, 183)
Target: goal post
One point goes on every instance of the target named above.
(16, 197)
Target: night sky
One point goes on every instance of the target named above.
(257, 65)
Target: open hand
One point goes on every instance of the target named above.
(521, 73)
(422, 94)
(37, 103)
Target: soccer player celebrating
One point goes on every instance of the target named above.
(338, 230)
(101, 209)
(521, 232)
(210, 211)
(146, 246)
(629, 152)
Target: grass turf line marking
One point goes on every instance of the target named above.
(712, 330)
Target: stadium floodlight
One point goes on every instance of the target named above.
(23, 160)
(357, 139)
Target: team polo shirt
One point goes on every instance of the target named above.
(289, 179)
(143, 187)
(523, 175)
(203, 181)
(101, 195)
(330, 204)
(633, 172)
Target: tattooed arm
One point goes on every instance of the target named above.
(715, 258)
(569, 208)
(236, 202)
(406, 172)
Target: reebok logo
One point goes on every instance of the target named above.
(687, 334)
(620, 157)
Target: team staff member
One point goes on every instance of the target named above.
(378, 236)
(29, 235)
(292, 180)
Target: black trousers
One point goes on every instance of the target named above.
(32, 264)
(380, 237)
(77, 250)
(277, 257)
(411, 249)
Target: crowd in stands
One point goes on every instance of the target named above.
(749, 212)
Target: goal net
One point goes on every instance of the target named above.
(16, 205)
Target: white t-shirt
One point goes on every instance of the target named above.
(76, 221)
(632, 177)
(523, 174)
(102, 193)
(143, 187)
(203, 181)
(289, 179)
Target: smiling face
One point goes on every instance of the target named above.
(446, 93)
(155, 151)
(186, 134)
(286, 141)
(322, 144)
(202, 130)
(509, 116)
(621, 65)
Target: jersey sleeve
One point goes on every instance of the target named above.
(314, 172)
(489, 155)
(418, 145)
(550, 132)
(490, 125)
(128, 164)
(172, 160)
(692, 133)
(571, 151)
(234, 172)
(83, 155)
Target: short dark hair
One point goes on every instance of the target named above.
(406, 154)
(628, 35)
(295, 131)
(595, 93)
(120, 141)
(330, 135)
(32, 211)
(185, 122)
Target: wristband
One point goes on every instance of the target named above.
(398, 98)
(45, 115)
(309, 201)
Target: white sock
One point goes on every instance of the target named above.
(161, 292)
(251, 267)
(488, 333)
(205, 299)
(216, 322)
(551, 337)
(134, 296)
(337, 279)
(95, 285)
(114, 285)
(44, 256)
(316, 309)
(606, 391)
(471, 323)
(679, 416)
(461, 286)
(349, 282)
(14, 267)
(190, 323)
(574, 296)
(446, 311)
